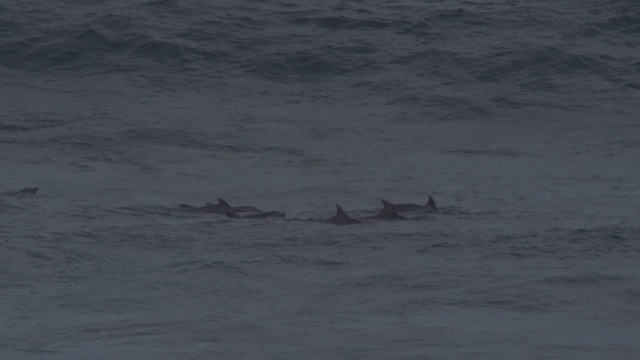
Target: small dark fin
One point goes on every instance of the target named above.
(431, 205)
(232, 215)
(388, 207)
(186, 206)
(224, 203)
(388, 213)
(341, 218)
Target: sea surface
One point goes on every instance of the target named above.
(520, 118)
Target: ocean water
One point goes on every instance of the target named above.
(521, 119)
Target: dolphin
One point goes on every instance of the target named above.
(388, 213)
(341, 218)
(429, 207)
(261, 215)
(244, 208)
(28, 190)
(220, 208)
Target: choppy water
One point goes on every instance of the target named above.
(519, 118)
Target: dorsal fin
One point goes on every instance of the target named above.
(388, 213)
(341, 218)
(431, 204)
(224, 203)
(388, 207)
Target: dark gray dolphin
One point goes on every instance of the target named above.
(429, 207)
(28, 190)
(262, 215)
(388, 213)
(220, 208)
(245, 208)
(341, 218)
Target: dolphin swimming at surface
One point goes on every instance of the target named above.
(429, 207)
(220, 208)
(28, 190)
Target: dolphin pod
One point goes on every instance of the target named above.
(389, 211)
